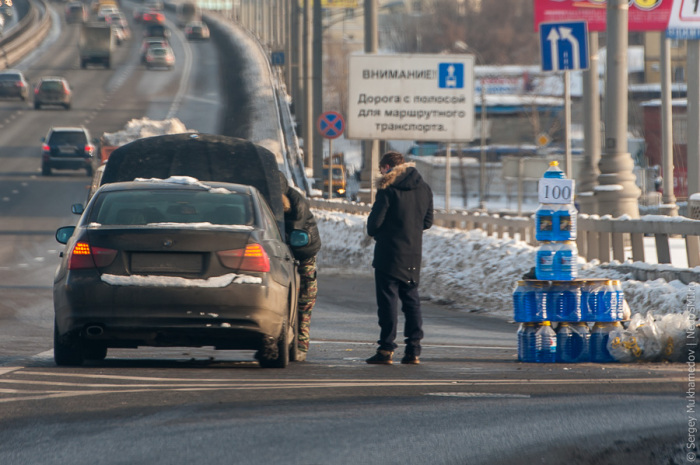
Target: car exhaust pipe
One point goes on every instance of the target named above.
(94, 331)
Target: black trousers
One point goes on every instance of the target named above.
(389, 291)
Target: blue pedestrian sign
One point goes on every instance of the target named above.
(451, 75)
(277, 58)
(564, 46)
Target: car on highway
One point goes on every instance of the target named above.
(175, 262)
(67, 148)
(160, 57)
(149, 42)
(53, 90)
(196, 30)
(138, 13)
(76, 12)
(13, 84)
(156, 30)
(152, 17)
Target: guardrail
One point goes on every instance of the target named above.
(29, 32)
(598, 238)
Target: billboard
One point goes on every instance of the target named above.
(643, 15)
(411, 97)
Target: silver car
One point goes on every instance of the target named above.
(160, 57)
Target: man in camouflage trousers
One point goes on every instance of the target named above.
(297, 215)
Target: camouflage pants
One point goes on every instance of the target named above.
(307, 299)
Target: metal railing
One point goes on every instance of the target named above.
(604, 239)
(29, 32)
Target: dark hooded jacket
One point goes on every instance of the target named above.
(403, 208)
(297, 215)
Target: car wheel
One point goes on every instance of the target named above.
(67, 106)
(66, 353)
(282, 358)
(88, 170)
(94, 352)
(45, 170)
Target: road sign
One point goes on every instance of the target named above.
(411, 97)
(564, 46)
(331, 124)
(277, 58)
(685, 20)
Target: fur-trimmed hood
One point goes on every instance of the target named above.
(394, 176)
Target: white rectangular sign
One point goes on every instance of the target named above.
(411, 97)
(556, 190)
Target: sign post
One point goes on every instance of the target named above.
(564, 46)
(330, 125)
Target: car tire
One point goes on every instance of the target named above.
(88, 170)
(45, 170)
(94, 352)
(282, 359)
(66, 353)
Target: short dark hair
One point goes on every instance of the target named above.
(392, 159)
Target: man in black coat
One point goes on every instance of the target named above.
(402, 210)
(297, 215)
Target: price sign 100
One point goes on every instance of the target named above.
(558, 191)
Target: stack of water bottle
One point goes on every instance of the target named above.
(557, 296)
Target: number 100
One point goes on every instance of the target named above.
(556, 192)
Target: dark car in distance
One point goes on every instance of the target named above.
(67, 148)
(175, 262)
(13, 84)
(53, 90)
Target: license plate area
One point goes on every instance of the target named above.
(157, 262)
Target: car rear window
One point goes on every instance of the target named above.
(68, 138)
(134, 207)
(9, 77)
(51, 85)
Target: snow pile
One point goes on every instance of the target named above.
(474, 272)
(144, 127)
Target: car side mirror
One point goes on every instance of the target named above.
(64, 233)
(77, 208)
(298, 238)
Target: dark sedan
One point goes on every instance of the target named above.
(175, 263)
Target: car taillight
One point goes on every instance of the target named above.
(36, 91)
(84, 256)
(89, 149)
(45, 147)
(252, 258)
(19, 84)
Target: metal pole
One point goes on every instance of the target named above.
(568, 169)
(617, 193)
(588, 178)
(330, 168)
(308, 124)
(668, 200)
(317, 82)
(482, 154)
(693, 117)
(448, 176)
(371, 152)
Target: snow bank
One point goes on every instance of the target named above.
(144, 127)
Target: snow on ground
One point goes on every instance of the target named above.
(473, 272)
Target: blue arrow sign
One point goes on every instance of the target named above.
(564, 46)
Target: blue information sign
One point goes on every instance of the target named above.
(564, 46)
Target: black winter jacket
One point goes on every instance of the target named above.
(403, 208)
(297, 215)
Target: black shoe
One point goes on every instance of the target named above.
(382, 357)
(410, 360)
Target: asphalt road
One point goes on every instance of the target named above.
(469, 402)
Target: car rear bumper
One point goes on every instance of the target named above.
(237, 317)
(66, 163)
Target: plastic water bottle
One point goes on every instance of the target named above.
(544, 222)
(565, 301)
(581, 341)
(572, 342)
(544, 267)
(606, 306)
(619, 299)
(599, 341)
(565, 266)
(545, 343)
(586, 288)
(554, 171)
(564, 223)
(538, 301)
(526, 342)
